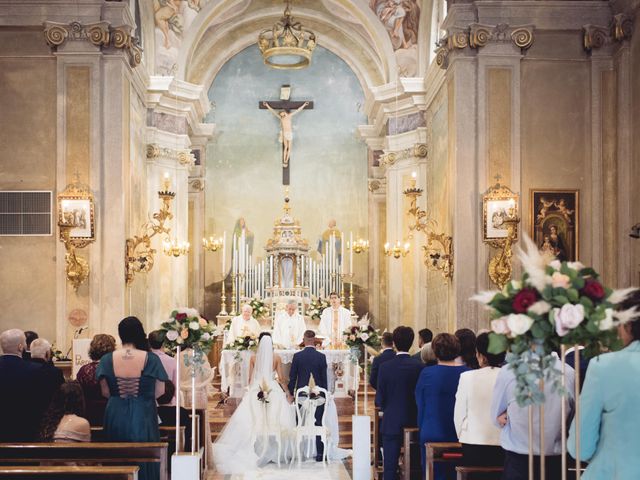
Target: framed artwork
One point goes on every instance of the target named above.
(554, 222)
(75, 208)
(499, 203)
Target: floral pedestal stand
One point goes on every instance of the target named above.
(361, 432)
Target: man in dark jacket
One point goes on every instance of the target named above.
(385, 355)
(395, 396)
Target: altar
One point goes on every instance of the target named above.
(234, 369)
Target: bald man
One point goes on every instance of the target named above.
(19, 420)
(243, 325)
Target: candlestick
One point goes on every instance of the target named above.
(166, 183)
(351, 296)
(224, 255)
(351, 253)
(233, 295)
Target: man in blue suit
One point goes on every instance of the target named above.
(305, 363)
(387, 354)
(395, 396)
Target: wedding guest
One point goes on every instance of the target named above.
(609, 422)
(424, 336)
(128, 378)
(514, 421)
(436, 397)
(467, 340)
(64, 419)
(17, 383)
(95, 403)
(480, 438)
(395, 396)
(48, 377)
(385, 355)
(427, 356)
(30, 336)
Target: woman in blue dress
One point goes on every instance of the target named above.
(131, 378)
(436, 398)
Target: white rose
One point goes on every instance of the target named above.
(499, 326)
(516, 284)
(179, 341)
(555, 264)
(194, 325)
(205, 336)
(192, 312)
(560, 280)
(607, 322)
(577, 266)
(364, 337)
(519, 324)
(172, 335)
(539, 308)
(568, 317)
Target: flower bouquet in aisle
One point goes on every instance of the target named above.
(555, 303)
(317, 305)
(260, 309)
(362, 334)
(187, 329)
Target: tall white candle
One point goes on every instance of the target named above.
(342, 257)
(224, 255)
(351, 253)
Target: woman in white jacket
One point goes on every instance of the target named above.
(480, 438)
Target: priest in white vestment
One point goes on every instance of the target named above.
(288, 327)
(243, 325)
(334, 320)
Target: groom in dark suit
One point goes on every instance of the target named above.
(305, 363)
(395, 396)
(385, 355)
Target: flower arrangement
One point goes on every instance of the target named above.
(362, 333)
(248, 342)
(187, 329)
(263, 393)
(555, 303)
(260, 310)
(57, 355)
(317, 305)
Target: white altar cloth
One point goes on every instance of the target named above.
(234, 368)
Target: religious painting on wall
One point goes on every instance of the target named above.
(499, 204)
(554, 220)
(75, 208)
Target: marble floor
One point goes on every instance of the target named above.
(317, 470)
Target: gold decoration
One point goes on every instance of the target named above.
(212, 244)
(397, 250)
(359, 246)
(595, 37)
(374, 184)
(287, 45)
(522, 37)
(479, 36)
(419, 150)
(500, 265)
(76, 211)
(139, 255)
(184, 156)
(77, 268)
(438, 252)
(622, 27)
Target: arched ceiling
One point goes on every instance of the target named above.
(348, 28)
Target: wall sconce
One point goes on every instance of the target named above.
(139, 254)
(438, 252)
(77, 228)
(359, 246)
(397, 250)
(500, 230)
(173, 248)
(212, 244)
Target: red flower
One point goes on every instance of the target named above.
(354, 329)
(593, 289)
(524, 299)
(181, 316)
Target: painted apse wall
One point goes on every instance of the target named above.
(328, 163)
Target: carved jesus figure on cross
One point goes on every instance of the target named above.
(286, 131)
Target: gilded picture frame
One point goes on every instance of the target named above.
(76, 208)
(498, 204)
(555, 222)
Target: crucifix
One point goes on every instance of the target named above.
(284, 109)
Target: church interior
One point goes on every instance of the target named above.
(209, 154)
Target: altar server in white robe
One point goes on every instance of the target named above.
(243, 325)
(288, 327)
(334, 320)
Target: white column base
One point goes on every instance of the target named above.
(361, 439)
(186, 466)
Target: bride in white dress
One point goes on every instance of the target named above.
(249, 439)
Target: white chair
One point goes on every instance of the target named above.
(264, 428)
(306, 420)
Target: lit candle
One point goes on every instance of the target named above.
(351, 253)
(224, 255)
(414, 175)
(166, 182)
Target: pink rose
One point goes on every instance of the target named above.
(500, 327)
(560, 280)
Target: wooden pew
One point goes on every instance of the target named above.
(377, 443)
(438, 451)
(115, 453)
(69, 473)
(462, 473)
(410, 439)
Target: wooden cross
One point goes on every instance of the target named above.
(290, 108)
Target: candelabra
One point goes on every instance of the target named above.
(342, 297)
(359, 246)
(139, 255)
(223, 299)
(438, 252)
(173, 248)
(77, 268)
(397, 250)
(351, 305)
(212, 244)
(233, 295)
